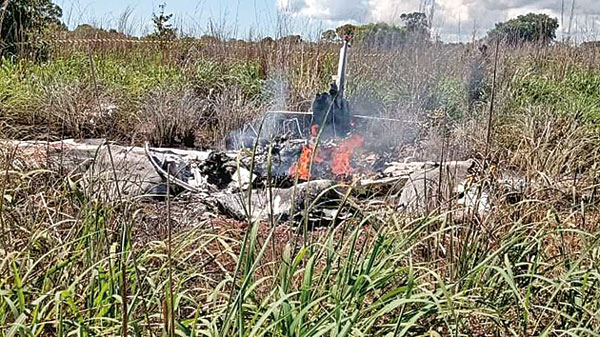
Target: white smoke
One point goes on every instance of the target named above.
(451, 17)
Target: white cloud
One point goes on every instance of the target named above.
(337, 10)
(451, 16)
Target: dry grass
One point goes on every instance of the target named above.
(170, 117)
(527, 268)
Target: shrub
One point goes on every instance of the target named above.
(526, 28)
(171, 116)
(22, 21)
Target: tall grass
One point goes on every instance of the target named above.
(534, 274)
(79, 262)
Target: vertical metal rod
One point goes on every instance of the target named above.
(340, 81)
(341, 75)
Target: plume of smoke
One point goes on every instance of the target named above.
(276, 93)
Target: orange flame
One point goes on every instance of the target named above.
(302, 167)
(342, 155)
(338, 157)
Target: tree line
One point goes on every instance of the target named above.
(536, 28)
(23, 22)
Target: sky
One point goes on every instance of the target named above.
(453, 20)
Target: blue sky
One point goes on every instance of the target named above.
(235, 17)
(453, 20)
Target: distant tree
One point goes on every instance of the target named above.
(346, 30)
(22, 21)
(208, 39)
(291, 39)
(416, 24)
(267, 40)
(383, 35)
(162, 28)
(526, 28)
(380, 35)
(329, 36)
(85, 31)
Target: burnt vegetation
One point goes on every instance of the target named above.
(516, 114)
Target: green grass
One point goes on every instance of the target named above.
(32, 95)
(567, 81)
(529, 268)
(132, 76)
(578, 90)
(65, 275)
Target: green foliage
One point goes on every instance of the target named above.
(329, 36)
(380, 35)
(578, 91)
(60, 96)
(415, 29)
(132, 75)
(526, 28)
(449, 97)
(85, 31)
(24, 20)
(17, 90)
(162, 28)
(248, 76)
(350, 281)
(417, 25)
(346, 30)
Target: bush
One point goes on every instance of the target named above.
(78, 110)
(526, 28)
(449, 97)
(22, 22)
(171, 116)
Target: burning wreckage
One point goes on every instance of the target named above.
(315, 167)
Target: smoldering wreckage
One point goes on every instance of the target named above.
(313, 168)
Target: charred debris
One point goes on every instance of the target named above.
(307, 167)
